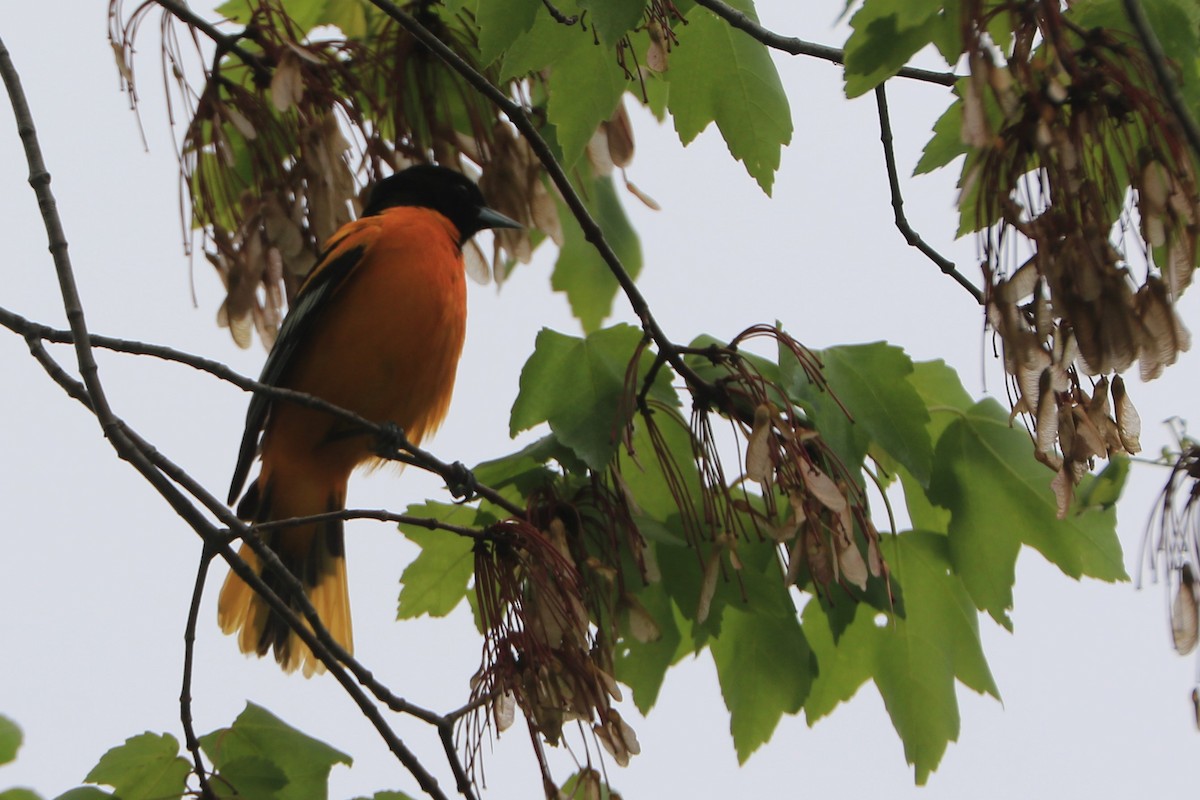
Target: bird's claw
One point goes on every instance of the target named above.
(461, 482)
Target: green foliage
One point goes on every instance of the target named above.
(85, 793)
(580, 272)
(887, 33)
(975, 495)
(728, 78)
(765, 667)
(262, 756)
(872, 382)
(21, 793)
(146, 767)
(10, 739)
(502, 24)
(585, 87)
(1000, 499)
(437, 580)
(971, 485)
(575, 385)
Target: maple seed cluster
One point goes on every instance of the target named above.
(1057, 135)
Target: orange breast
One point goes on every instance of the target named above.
(386, 345)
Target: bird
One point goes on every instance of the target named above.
(377, 328)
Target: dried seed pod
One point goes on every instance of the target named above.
(1185, 620)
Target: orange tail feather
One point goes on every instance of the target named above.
(315, 555)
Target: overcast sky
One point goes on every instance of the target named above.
(96, 572)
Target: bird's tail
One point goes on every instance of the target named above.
(315, 555)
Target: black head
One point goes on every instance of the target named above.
(450, 193)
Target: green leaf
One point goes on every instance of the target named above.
(765, 668)
(642, 666)
(10, 739)
(922, 513)
(1102, 491)
(25, 794)
(844, 662)
(1000, 498)
(1176, 25)
(580, 272)
(306, 14)
(657, 495)
(387, 796)
(543, 45)
(576, 385)
(146, 767)
(255, 778)
(589, 784)
(612, 19)
(84, 793)
(584, 91)
(437, 579)
(518, 474)
(887, 33)
(946, 144)
(721, 75)
(501, 24)
(944, 397)
(920, 656)
(259, 734)
(871, 380)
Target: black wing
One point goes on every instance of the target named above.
(324, 281)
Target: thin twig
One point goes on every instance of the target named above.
(591, 229)
(799, 47)
(148, 462)
(39, 179)
(223, 42)
(560, 17)
(408, 453)
(167, 477)
(911, 236)
(1168, 85)
(185, 692)
(381, 515)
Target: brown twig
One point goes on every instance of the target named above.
(185, 693)
(163, 475)
(393, 443)
(799, 47)
(381, 515)
(591, 229)
(911, 236)
(223, 42)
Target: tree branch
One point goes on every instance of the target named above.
(1168, 85)
(911, 236)
(185, 692)
(591, 229)
(799, 47)
(394, 445)
(223, 42)
(166, 477)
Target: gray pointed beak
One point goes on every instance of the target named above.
(488, 218)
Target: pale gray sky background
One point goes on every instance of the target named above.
(96, 572)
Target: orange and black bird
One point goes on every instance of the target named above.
(376, 328)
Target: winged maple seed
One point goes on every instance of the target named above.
(275, 143)
(808, 504)
(1172, 544)
(552, 594)
(1052, 128)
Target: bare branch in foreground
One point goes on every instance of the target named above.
(911, 236)
(799, 47)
